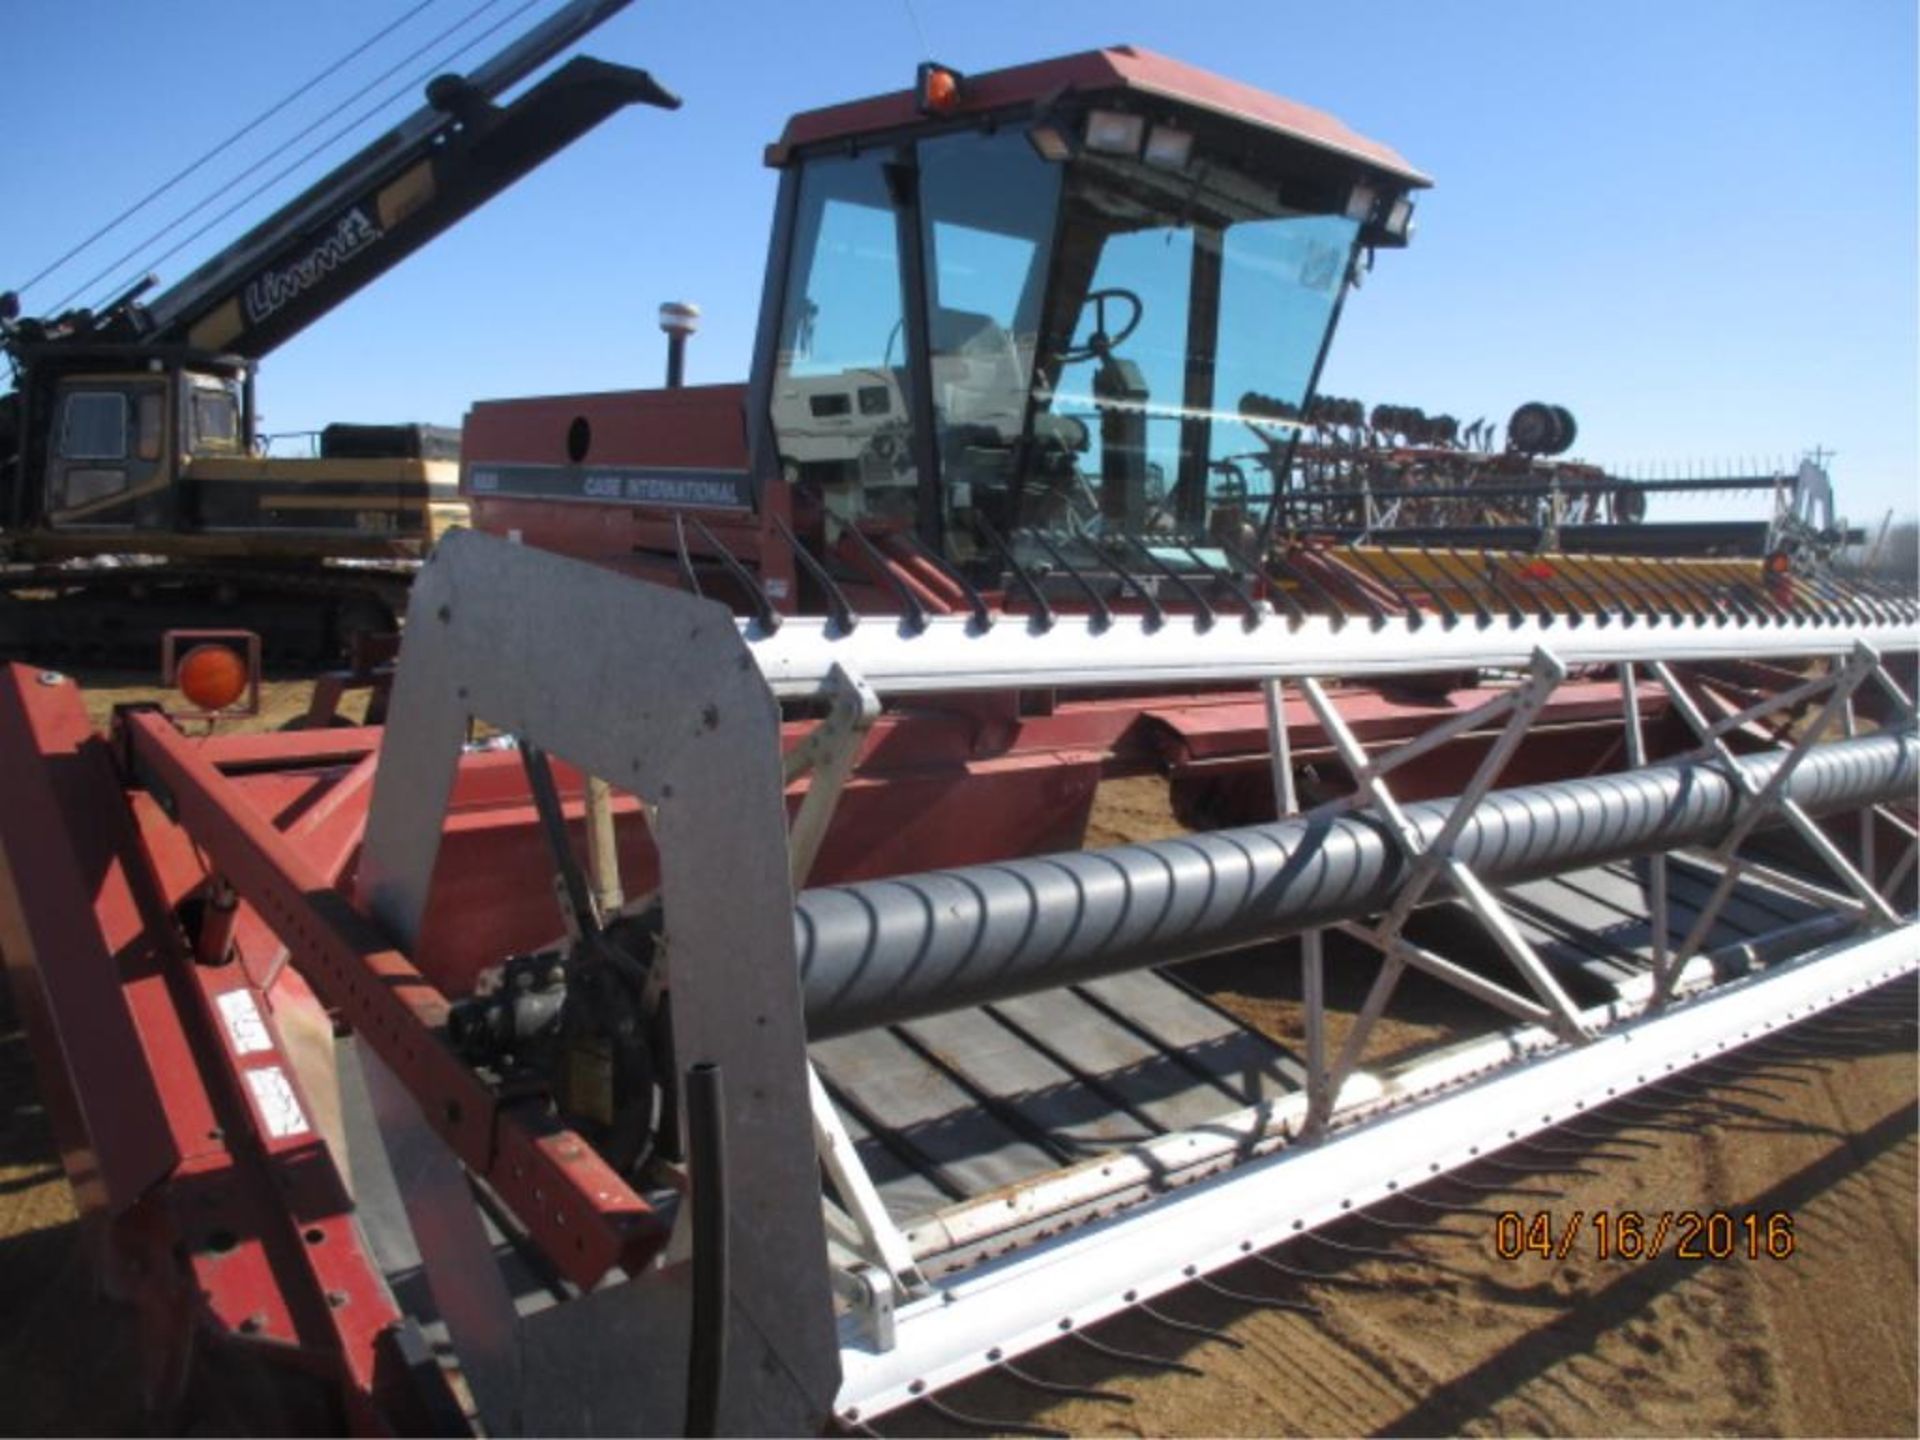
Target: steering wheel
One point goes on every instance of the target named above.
(1099, 343)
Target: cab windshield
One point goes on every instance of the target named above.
(1112, 347)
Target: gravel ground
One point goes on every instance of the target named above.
(1449, 1337)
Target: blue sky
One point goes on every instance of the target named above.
(1692, 222)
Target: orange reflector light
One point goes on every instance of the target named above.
(1537, 570)
(211, 676)
(1779, 563)
(939, 89)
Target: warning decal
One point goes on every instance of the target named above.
(279, 1107)
(245, 1028)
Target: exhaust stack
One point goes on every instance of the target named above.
(679, 319)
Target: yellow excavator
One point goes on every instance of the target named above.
(133, 498)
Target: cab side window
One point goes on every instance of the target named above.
(216, 422)
(94, 426)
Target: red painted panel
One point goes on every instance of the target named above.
(1120, 67)
(68, 928)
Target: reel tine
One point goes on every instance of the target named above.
(1449, 617)
(1788, 1040)
(1655, 586)
(1559, 588)
(1596, 1153)
(1611, 591)
(1723, 612)
(1244, 1297)
(687, 577)
(1203, 612)
(1250, 608)
(915, 612)
(1043, 612)
(1701, 601)
(1336, 612)
(1102, 613)
(1317, 1277)
(1518, 602)
(1628, 581)
(762, 602)
(1835, 601)
(1454, 1177)
(1278, 592)
(976, 602)
(839, 612)
(1416, 617)
(1280, 1267)
(1060, 1387)
(1632, 1106)
(1742, 608)
(1347, 1247)
(1156, 612)
(1569, 571)
(1507, 1167)
(1770, 607)
(1376, 616)
(1482, 616)
(1600, 1137)
(984, 1426)
(1187, 1327)
(1744, 1071)
(1134, 1357)
(1489, 573)
(1403, 1227)
(1442, 1207)
(1469, 582)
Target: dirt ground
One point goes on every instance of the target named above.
(282, 699)
(1443, 1336)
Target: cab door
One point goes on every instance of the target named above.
(106, 450)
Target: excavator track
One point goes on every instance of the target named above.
(305, 613)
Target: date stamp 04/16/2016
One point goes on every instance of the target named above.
(1686, 1235)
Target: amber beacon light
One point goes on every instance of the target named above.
(217, 672)
(939, 89)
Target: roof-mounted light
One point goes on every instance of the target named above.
(1168, 147)
(1050, 142)
(1361, 203)
(1114, 132)
(1400, 217)
(938, 87)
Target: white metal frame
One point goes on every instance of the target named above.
(1769, 797)
(1519, 707)
(951, 654)
(1011, 1306)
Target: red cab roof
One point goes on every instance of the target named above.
(1118, 67)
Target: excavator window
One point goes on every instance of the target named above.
(91, 465)
(214, 418)
(110, 447)
(94, 426)
(150, 408)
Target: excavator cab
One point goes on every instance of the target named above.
(1082, 302)
(117, 436)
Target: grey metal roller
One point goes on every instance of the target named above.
(884, 951)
